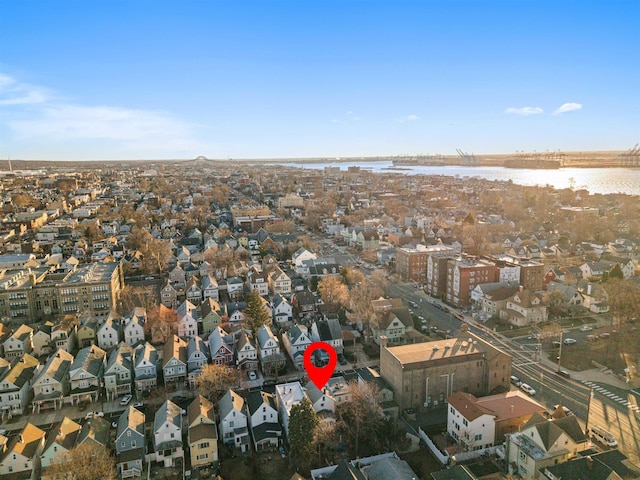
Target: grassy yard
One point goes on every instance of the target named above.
(422, 462)
(610, 352)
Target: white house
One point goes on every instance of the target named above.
(281, 309)
(296, 341)
(263, 420)
(167, 434)
(109, 333)
(288, 395)
(134, 326)
(233, 421)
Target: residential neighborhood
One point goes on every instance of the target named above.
(161, 312)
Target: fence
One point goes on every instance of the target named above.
(443, 457)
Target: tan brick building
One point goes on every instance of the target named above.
(423, 375)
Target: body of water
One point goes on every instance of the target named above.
(595, 180)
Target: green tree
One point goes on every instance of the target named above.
(616, 272)
(256, 313)
(303, 423)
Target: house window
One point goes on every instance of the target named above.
(203, 445)
(523, 456)
(477, 438)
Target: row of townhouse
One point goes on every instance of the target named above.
(260, 418)
(72, 333)
(199, 285)
(31, 452)
(65, 379)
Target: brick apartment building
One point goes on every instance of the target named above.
(463, 274)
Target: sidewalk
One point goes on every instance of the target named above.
(594, 375)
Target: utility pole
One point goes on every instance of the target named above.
(586, 425)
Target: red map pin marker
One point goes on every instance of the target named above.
(320, 375)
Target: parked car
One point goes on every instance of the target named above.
(556, 343)
(605, 335)
(125, 400)
(252, 375)
(570, 341)
(342, 359)
(516, 381)
(528, 389)
(585, 329)
(603, 436)
(564, 373)
(138, 405)
(93, 414)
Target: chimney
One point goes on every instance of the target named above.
(521, 288)
(383, 341)
(512, 407)
(21, 438)
(590, 462)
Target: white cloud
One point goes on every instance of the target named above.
(524, 111)
(15, 93)
(53, 120)
(568, 107)
(408, 118)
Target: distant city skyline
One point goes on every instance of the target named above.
(284, 79)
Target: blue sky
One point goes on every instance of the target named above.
(264, 79)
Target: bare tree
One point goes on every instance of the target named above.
(333, 290)
(215, 380)
(162, 322)
(138, 296)
(87, 461)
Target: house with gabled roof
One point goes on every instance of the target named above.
(42, 340)
(233, 421)
(246, 351)
(209, 310)
(187, 320)
(63, 335)
(167, 434)
(296, 341)
(221, 347)
(266, 431)
(524, 308)
(479, 423)
(393, 321)
(118, 374)
(210, 287)
(145, 367)
(268, 347)
(235, 311)
(52, 382)
(87, 332)
(281, 310)
(108, 335)
(303, 303)
(174, 366)
(258, 280)
(197, 357)
(193, 290)
(542, 442)
(235, 287)
(60, 440)
(134, 326)
(169, 295)
(322, 402)
(279, 282)
(20, 458)
(328, 331)
(130, 443)
(95, 431)
(18, 343)
(15, 385)
(203, 432)
(85, 374)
